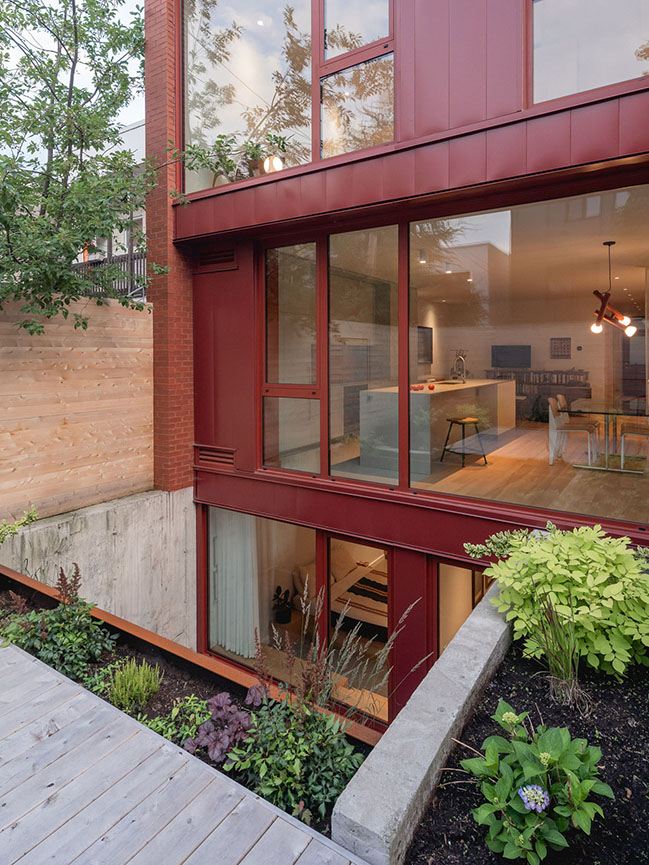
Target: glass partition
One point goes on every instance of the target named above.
(292, 434)
(513, 397)
(363, 355)
(247, 87)
(582, 44)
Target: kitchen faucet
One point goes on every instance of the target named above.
(455, 369)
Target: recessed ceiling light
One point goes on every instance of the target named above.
(260, 22)
(469, 279)
(616, 277)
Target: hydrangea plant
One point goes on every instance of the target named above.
(536, 784)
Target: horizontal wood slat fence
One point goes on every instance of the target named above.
(76, 410)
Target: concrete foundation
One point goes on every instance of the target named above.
(137, 557)
(377, 814)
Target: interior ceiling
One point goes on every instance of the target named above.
(556, 251)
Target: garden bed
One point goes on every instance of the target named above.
(180, 678)
(448, 835)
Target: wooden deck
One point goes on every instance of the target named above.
(83, 783)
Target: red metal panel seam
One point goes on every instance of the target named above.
(322, 349)
(404, 360)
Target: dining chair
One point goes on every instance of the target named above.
(629, 428)
(559, 424)
(562, 402)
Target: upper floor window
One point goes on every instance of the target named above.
(249, 72)
(583, 44)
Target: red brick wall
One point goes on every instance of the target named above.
(170, 294)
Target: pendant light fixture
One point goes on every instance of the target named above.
(607, 312)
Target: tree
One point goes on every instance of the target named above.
(66, 71)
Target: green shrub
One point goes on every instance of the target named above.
(598, 583)
(536, 785)
(99, 681)
(296, 757)
(182, 723)
(67, 638)
(132, 685)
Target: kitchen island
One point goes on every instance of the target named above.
(492, 401)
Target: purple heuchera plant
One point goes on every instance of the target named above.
(256, 695)
(228, 726)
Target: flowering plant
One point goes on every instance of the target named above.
(536, 784)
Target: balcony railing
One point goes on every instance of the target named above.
(131, 265)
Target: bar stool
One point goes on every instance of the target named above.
(462, 422)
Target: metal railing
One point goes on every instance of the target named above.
(131, 265)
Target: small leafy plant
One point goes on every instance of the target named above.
(598, 584)
(227, 725)
(132, 684)
(99, 681)
(536, 784)
(67, 638)
(182, 723)
(295, 756)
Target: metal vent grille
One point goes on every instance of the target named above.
(215, 457)
(217, 259)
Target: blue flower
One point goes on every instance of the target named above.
(534, 797)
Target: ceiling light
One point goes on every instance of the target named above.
(272, 163)
(260, 23)
(469, 279)
(607, 312)
(616, 277)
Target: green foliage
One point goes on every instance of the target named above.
(7, 530)
(67, 638)
(182, 723)
(596, 584)
(296, 757)
(99, 681)
(67, 68)
(536, 785)
(132, 684)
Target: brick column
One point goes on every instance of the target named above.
(170, 294)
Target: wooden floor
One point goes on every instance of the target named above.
(519, 473)
(81, 782)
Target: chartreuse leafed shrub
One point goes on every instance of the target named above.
(597, 584)
(132, 685)
(536, 785)
(67, 638)
(295, 756)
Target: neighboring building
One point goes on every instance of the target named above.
(418, 247)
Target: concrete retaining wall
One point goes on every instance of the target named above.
(378, 813)
(137, 557)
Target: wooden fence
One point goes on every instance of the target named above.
(76, 410)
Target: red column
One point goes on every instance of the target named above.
(171, 293)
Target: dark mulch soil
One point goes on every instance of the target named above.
(619, 725)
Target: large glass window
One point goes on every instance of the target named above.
(513, 397)
(582, 44)
(350, 24)
(292, 434)
(363, 354)
(358, 107)
(247, 87)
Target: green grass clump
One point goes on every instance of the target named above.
(133, 685)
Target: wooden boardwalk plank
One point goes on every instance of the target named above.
(24, 691)
(57, 806)
(191, 826)
(39, 709)
(43, 785)
(235, 836)
(319, 854)
(281, 845)
(76, 832)
(30, 734)
(132, 832)
(51, 748)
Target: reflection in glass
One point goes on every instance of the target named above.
(350, 24)
(505, 302)
(358, 586)
(247, 87)
(582, 44)
(292, 434)
(357, 108)
(458, 592)
(248, 558)
(363, 354)
(291, 314)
